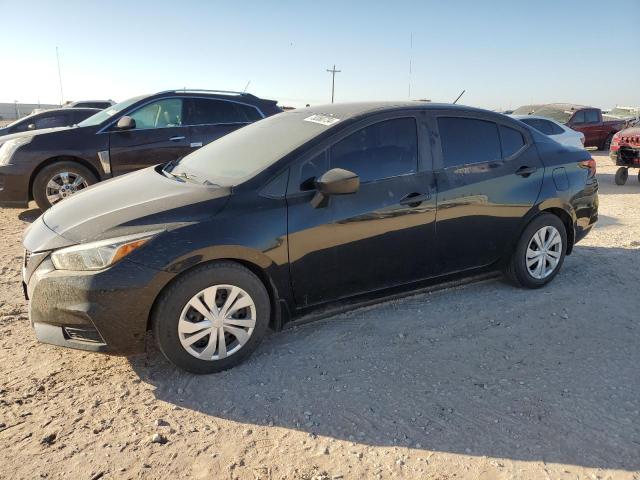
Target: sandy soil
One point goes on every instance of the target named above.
(483, 381)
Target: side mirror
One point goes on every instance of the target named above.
(31, 126)
(126, 123)
(336, 181)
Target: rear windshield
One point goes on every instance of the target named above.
(558, 114)
(247, 151)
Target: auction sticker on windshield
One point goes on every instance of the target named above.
(322, 119)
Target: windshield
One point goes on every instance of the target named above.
(557, 114)
(247, 151)
(109, 112)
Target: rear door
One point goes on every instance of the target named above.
(488, 176)
(381, 236)
(209, 119)
(159, 137)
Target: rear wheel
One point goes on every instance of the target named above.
(607, 142)
(539, 253)
(60, 180)
(622, 174)
(212, 318)
(639, 175)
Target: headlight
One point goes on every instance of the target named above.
(8, 148)
(98, 255)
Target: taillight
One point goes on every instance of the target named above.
(591, 165)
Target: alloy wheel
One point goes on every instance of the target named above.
(544, 252)
(217, 322)
(63, 185)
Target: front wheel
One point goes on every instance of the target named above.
(622, 174)
(60, 180)
(212, 317)
(539, 253)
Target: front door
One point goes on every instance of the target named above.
(381, 236)
(158, 137)
(488, 176)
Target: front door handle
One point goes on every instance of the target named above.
(415, 199)
(177, 139)
(526, 171)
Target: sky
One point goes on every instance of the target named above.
(503, 53)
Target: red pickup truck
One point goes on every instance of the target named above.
(598, 131)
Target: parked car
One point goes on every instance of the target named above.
(559, 132)
(100, 104)
(625, 151)
(598, 132)
(296, 211)
(57, 117)
(142, 131)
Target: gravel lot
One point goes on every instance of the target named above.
(481, 381)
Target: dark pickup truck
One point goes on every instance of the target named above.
(598, 131)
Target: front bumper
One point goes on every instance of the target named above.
(103, 311)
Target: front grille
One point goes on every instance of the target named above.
(84, 334)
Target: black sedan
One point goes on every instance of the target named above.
(303, 208)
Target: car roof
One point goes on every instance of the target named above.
(536, 117)
(355, 109)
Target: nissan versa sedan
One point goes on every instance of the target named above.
(303, 208)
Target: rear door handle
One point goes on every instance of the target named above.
(176, 139)
(415, 199)
(526, 171)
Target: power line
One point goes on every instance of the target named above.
(333, 72)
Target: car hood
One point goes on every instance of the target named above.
(32, 133)
(141, 201)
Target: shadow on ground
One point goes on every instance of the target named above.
(546, 375)
(30, 216)
(607, 184)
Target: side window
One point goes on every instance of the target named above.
(578, 117)
(382, 150)
(51, 121)
(512, 141)
(160, 114)
(591, 116)
(467, 140)
(250, 114)
(553, 128)
(202, 111)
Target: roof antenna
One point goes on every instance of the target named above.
(456, 100)
(246, 86)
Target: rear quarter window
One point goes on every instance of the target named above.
(512, 141)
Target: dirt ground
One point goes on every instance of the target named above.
(483, 381)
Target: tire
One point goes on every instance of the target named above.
(622, 174)
(56, 173)
(607, 143)
(517, 270)
(174, 315)
(639, 175)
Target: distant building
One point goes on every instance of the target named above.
(13, 111)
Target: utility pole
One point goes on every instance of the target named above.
(59, 77)
(333, 72)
